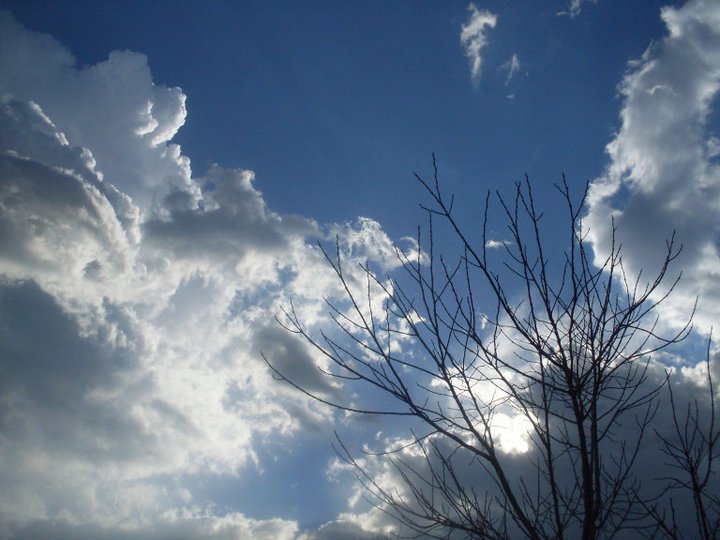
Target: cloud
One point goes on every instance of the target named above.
(473, 37)
(135, 301)
(512, 66)
(55, 212)
(663, 174)
(294, 360)
(345, 529)
(188, 526)
(496, 244)
(390, 462)
(233, 222)
(135, 297)
(574, 8)
(132, 143)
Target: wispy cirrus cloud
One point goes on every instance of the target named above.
(574, 8)
(473, 37)
(512, 67)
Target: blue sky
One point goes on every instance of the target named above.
(334, 104)
(169, 165)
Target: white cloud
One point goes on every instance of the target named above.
(136, 154)
(135, 298)
(346, 528)
(496, 244)
(135, 301)
(391, 461)
(574, 8)
(512, 67)
(473, 37)
(188, 525)
(663, 175)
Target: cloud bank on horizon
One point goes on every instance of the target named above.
(135, 298)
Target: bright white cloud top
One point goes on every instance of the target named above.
(136, 296)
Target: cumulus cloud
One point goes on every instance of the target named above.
(55, 211)
(136, 300)
(473, 37)
(234, 222)
(187, 526)
(663, 175)
(132, 143)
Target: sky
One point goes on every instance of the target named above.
(167, 168)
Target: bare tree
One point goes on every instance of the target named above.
(459, 346)
(690, 451)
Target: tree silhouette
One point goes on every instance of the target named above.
(566, 350)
